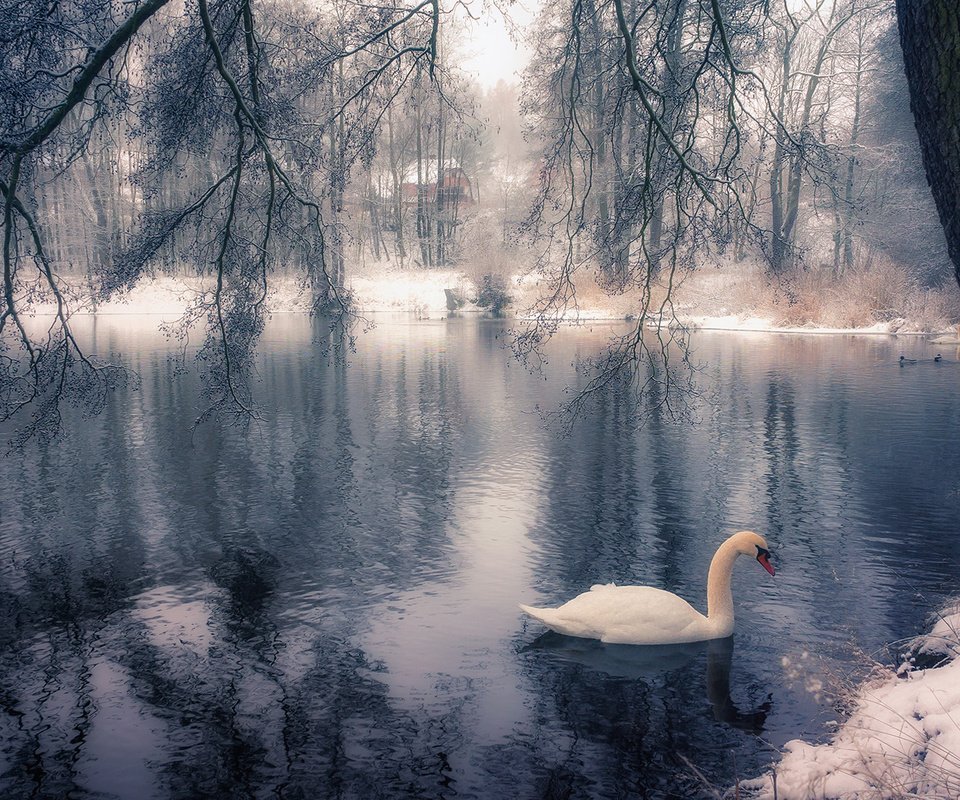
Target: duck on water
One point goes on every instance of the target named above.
(937, 359)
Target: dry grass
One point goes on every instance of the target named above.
(884, 293)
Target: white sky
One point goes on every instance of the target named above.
(487, 51)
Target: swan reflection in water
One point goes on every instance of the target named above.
(649, 662)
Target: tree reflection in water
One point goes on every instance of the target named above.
(182, 612)
(325, 607)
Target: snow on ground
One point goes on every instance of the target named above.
(766, 324)
(420, 292)
(902, 739)
(423, 292)
(164, 295)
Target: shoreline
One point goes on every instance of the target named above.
(899, 739)
(749, 324)
(425, 295)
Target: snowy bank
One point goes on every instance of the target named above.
(703, 301)
(902, 739)
(420, 292)
(768, 325)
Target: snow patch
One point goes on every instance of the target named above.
(422, 291)
(902, 739)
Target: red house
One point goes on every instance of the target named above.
(453, 189)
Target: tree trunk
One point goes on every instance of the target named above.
(395, 174)
(779, 246)
(930, 38)
(848, 192)
(673, 61)
(798, 160)
(92, 190)
(423, 224)
(441, 257)
(847, 218)
(373, 209)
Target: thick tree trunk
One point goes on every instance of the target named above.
(930, 38)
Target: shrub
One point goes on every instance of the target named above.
(493, 293)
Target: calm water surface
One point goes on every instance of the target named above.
(326, 605)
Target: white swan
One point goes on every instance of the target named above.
(645, 615)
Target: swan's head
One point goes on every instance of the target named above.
(753, 544)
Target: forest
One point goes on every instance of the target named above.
(248, 143)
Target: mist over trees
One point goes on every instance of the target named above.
(253, 141)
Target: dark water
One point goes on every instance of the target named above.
(325, 605)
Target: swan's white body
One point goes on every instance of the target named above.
(645, 615)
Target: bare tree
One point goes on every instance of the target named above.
(634, 182)
(269, 92)
(47, 92)
(806, 37)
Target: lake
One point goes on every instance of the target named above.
(325, 604)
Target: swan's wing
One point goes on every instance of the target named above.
(629, 615)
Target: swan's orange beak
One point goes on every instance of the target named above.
(764, 559)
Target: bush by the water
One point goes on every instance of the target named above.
(493, 294)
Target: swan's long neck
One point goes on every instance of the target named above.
(719, 596)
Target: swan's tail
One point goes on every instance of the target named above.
(548, 616)
(557, 620)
